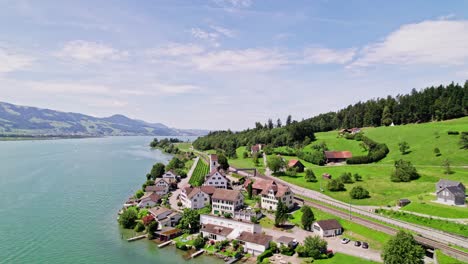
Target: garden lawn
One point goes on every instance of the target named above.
(447, 226)
(430, 207)
(376, 179)
(185, 146)
(241, 162)
(266, 222)
(338, 143)
(352, 230)
(444, 259)
(340, 258)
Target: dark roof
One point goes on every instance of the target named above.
(338, 154)
(405, 200)
(225, 194)
(447, 183)
(154, 188)
(455, 190)
(329, 224)
(259, 239)
(214, 229)
(285, 240)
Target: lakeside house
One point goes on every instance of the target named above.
(337, 156)
(254, 243)
(294, 163)
(216, 179)
(159, 190)
(450, 192)
(226, 201)
(194, 198)
(328, 228)
(148, 199)
(271, 192)
(213, 162)
(165, 217)
(237, 225)
(215, 232)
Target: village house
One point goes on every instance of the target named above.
(271, 192)
(286, 241)
(170, 175)
(148, 199)
(215, 232)
(254, 244)
(337, 156)
(194, 198)
(256, 148)
(328, 228)
(217, 180)
(214, 162)
(226, 201)
(165, 217)
(351, 131)
(159, 190)
(237, 226)
(450, 192)
(296, 164)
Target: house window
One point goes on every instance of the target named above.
(317, 228)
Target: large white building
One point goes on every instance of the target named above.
(194, 198)
(226, 201)
(217, 180)
(237, 226)
(328, 228)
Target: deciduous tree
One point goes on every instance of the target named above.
(307, 218)
(403, 249)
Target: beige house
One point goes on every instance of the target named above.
(328, 228)
(148, 199)
(271, 192)
(226, 201)
(254, 243)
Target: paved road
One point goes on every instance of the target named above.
(424, 231)
(334, 243)
(175, 194)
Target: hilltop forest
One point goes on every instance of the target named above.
(429, 104)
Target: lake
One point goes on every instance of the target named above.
(59, 201)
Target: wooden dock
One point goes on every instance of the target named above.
(198, 253)
(136, 238)
(165, 244)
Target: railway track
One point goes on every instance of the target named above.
(453, 252)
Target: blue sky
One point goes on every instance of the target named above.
(219, 64)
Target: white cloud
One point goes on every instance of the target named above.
(241, 60)
(89, 52)
(441, 42)
(176, 89)
(210, 37)
(176, 49)
(68, 88)
(234, 3)
(328, 56)
(11, 62)
(224, 31)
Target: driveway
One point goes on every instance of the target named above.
(175, 194)
(334, 243)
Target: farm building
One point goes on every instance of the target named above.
(450, 192)
(403, 202)
(337, 156)
(296, 164)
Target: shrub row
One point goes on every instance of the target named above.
(377, 151)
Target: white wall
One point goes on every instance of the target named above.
(238, 226)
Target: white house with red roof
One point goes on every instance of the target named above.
(194, 198)
(271, 193)
(217, 180)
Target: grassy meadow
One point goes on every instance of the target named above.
(444, 259)
(340, 258)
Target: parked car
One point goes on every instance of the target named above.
(365, 245)
(345, 240)
(357, 243)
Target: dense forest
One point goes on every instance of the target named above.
(430, 104)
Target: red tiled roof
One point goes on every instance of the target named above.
(293, 163)
(266, 185)
(213, 157)
(208, 189)
(338, 154)
(147, 219)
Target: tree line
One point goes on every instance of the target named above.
(430, 104)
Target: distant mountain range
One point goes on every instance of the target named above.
(24, 120)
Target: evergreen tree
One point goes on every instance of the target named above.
(404, 147)
(278, 123)
(223, 161)
(270, 124)
(447, 169)
(310, 175)
(386, 116)
(249, 190)
(281, 214)
(288, 120)
(307, 218)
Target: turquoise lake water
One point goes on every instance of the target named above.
(59, 201)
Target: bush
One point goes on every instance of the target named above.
(266, 254)
(139, 227)
(335, 185)
(128, 217)
(346, 178)
(357, 177)
(437, 152)
(199, 242)
(359, 192)
(287, 251)
(310, 175)
(404, 172)
(453, 132)
(377, 151)
(139, 194)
